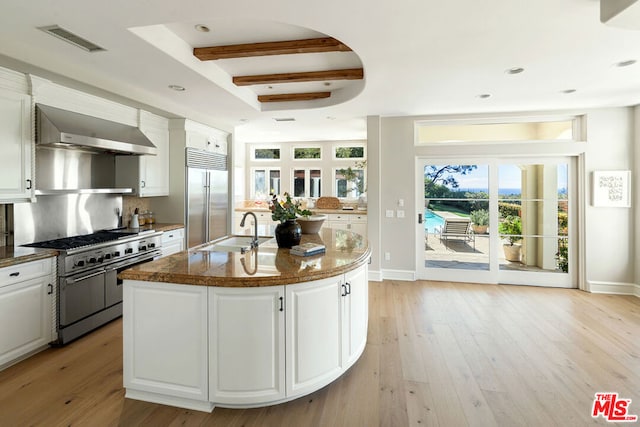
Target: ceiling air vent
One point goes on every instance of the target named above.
(284, 119)
(68, 36)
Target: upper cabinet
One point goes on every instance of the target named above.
(16, 142)
(205, 138)
(147, 175)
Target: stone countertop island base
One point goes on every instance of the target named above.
(205, 329)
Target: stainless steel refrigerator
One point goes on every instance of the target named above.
(207, 196)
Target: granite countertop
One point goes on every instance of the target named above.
(10, 255)
(160, 226)
(266, 266)
(313, 210)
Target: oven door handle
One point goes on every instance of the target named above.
(71, 281)
(131, 262)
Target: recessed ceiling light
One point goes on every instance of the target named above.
(177, 88)
(484, 95)
(515, 70)
(626, 63)
(568, 91)
(202, 28)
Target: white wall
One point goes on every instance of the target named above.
(610, 246)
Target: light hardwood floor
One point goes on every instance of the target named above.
(438, 354)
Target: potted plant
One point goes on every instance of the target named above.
(511, 228)
(285, 210)
(480, 220)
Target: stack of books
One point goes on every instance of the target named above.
(307, 249)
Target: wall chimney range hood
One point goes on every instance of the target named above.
(67, 129)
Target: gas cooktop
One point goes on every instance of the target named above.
(75, 242)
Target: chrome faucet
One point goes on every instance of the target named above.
(254, 242)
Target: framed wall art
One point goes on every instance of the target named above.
(612, 189)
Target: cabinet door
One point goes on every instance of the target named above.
(359, 227)
(355, 312)
(165, 339)
(197, 140)
(154, 170)
(16, 181)
(25, 317)
(314, 335)
(246, 345)
(172, 242)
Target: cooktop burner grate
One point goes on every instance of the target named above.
(74, 242)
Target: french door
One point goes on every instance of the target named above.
(497, 220)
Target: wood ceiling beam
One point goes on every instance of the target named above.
(310, 76)
(285, 97)
(246, 50)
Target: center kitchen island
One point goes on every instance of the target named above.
(206, 328)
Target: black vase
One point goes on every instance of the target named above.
(288, 233)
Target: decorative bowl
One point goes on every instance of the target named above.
(311, 224)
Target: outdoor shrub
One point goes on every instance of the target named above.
(511, 227)
(509, 209)
(480, 217)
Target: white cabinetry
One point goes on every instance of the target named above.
(246, 345)
(352, 222)
(172, 241)
(200, 346)
(165, 342)
(206, 138)
(314, 335)
(147, 175)
(355, 314)
(27, 304)
(16, 146)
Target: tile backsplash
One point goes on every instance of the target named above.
(129, 205)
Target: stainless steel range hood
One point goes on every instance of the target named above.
(66, 129)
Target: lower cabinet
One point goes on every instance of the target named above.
(246, 345)
(27, 304)
(314, 334)
(172, 242)
(165, 341)
(198, 347)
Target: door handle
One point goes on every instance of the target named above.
(14, 274)
(344, 288)
(419, 218)
(348, 288)
(281, 304)
(50, 286)
(29, 184)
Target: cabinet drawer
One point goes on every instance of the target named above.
(172, 236)
(338, 217)
(358, 218)
(25, 271)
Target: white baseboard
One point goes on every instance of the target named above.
(614, 288)
(375, 276)
(405, 275)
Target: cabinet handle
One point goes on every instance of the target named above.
(15, 274)
(50, 286)
(144, 184)
(344, 288)
(29, 184)
(281, 304)
(419, 218)
(348, 288)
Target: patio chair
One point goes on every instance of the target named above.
(457, 228)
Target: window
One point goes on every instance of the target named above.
(349, 152)
(307, 182)
(266, 153)
(265, 182)
(300, 153)
(349, 182)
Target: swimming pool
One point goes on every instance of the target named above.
(432, 221)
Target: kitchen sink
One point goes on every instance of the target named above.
(233, 244)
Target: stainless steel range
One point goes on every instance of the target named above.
(89, 292)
